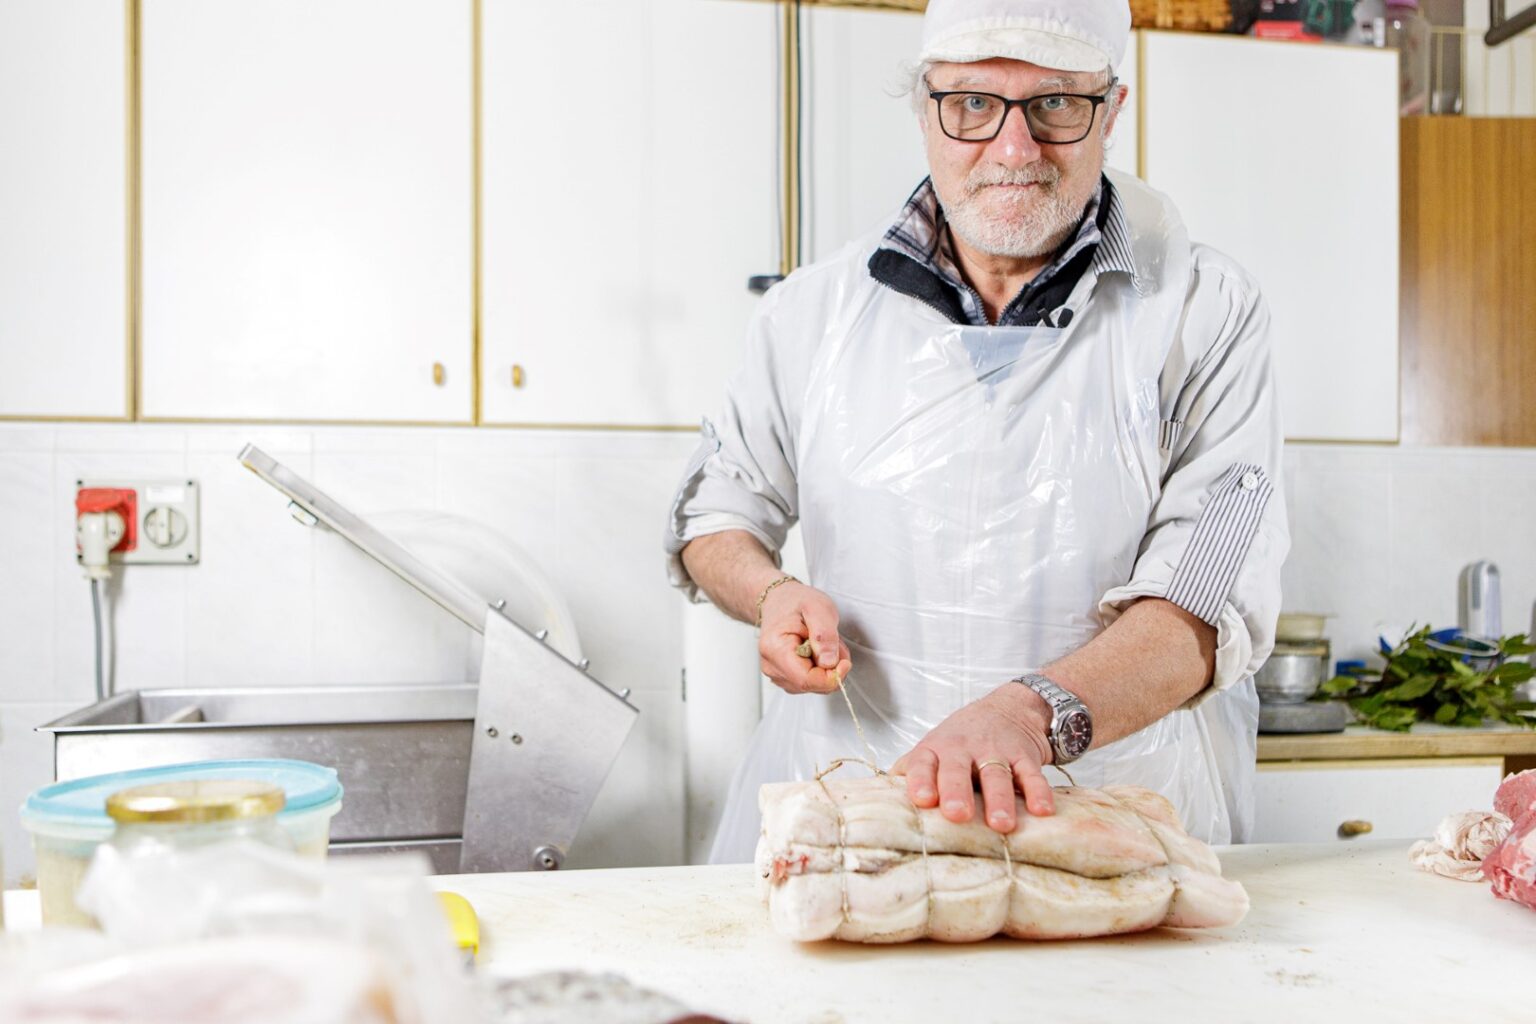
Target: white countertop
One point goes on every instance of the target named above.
(1348, 927)
(1343, 928)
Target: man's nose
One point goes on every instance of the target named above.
(1014, 146)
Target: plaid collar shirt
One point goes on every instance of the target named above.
(916, 258)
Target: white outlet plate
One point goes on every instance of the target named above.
(168, 524)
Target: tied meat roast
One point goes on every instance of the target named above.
(854, 860)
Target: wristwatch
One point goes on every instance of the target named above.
(1071, 731)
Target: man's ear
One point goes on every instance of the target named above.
(1121, 92)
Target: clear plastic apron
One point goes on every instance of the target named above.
(967, 496)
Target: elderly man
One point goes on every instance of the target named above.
(1030, 435)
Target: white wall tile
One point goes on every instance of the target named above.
(379, 480)
(1436, 528)
(227, 441)
(371, 627)
(637, 818)
(26, 762)
(1340, 561)
(251, 598)
(1506, 502)
(512, 494)
(29, 543)
(375, 440)
(125, 439)
(611, 516)
(26, 437)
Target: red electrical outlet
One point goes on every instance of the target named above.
(124, 501)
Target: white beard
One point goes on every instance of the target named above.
(1025, 224)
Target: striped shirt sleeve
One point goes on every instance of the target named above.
(1220, 541)
(1217, 534)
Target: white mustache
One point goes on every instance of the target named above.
(982, 177)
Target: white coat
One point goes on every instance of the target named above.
(978, 501)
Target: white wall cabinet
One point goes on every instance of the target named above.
(1311, 801)
(629, 193)
(1123, 153)
(863, 147)
(63, 209)
(308, 210)
(1285, 157)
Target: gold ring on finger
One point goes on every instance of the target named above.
(1001, 764)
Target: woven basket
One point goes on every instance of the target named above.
(1184, 15)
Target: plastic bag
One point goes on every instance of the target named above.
(240, 933)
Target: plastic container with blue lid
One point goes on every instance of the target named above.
(68, 820)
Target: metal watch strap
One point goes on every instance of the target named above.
(1057, 699)
(1052, 694)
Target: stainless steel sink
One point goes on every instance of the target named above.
(402, 751)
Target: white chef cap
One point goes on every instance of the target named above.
(1065, 35)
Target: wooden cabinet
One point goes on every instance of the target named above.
(308, 210)
(629, 193)
(1469, 281)
(1322, 801)
(64, 315)
(1285, 157)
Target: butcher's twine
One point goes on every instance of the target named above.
(873, 764)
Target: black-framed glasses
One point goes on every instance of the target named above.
(1057, 119)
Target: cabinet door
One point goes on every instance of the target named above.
(1284, 156)
(63, 209)
(308, 209)
(863, 149)
(629, 193)
(1123, 153)
(1311, 801)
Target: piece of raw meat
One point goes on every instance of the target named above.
(1460, 844)
(854, 860)
(1511, 867)
(1516, 796)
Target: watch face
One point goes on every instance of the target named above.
(1076, 734)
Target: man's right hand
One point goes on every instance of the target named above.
(792, 614)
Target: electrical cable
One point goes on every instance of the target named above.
(101, 687)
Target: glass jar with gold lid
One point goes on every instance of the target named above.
(168, 816)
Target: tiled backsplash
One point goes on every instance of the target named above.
(273, 603)
(1379, 536)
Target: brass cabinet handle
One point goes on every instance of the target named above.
(439, 374)
(517, 375)
(1352, 828)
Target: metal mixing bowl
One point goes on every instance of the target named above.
(1292, 674)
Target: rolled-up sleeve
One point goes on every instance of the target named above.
(1217, 535)
(742, 475)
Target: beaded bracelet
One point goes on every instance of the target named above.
(764, 596)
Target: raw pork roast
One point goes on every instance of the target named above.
(1511, 867)
(854, 860)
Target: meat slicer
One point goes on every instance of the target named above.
(495, 776)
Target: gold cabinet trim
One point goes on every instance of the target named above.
(1382, 763)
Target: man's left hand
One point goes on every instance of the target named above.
(1007, 725)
